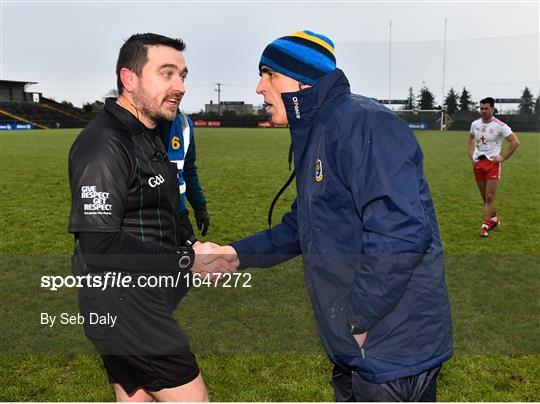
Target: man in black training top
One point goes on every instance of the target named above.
(124, 218)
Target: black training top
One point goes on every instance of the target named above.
(122, 180)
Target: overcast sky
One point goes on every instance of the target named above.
(70, 48)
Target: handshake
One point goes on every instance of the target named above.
(214, 260)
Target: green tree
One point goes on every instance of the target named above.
(87, 107)
(537, 107)
(411, 100)
(526, 104)
(451, 102)
(465, 101)
(96, 106)
(426, 99)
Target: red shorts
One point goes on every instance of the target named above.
(485, 170)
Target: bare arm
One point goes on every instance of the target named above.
(470, 147)
(514, 144)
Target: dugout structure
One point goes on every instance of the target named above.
(21, 109)
(16, 91)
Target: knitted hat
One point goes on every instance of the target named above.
(304, 56)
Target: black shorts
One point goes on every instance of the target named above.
(146, 348)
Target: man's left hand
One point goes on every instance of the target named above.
(203, 220)
(497, 159)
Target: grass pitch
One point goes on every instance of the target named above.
(260, 343)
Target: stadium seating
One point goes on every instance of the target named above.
(48, 114)
(67, 109)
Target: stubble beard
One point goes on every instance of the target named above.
(151, 107)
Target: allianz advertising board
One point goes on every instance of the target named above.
(420, 126)
(16, 126)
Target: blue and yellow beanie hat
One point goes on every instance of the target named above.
(304, 56)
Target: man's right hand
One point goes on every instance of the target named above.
(230, 254)
(211, 259)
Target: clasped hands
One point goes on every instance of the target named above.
(214, 260)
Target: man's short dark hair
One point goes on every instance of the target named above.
(488, 100)
(134, 53)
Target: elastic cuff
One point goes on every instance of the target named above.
(245, 259)
(191, 240)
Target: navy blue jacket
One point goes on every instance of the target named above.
(365, 225)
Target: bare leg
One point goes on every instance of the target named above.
(194, 391)
(489, 207)
(139, 395)
(482, 189)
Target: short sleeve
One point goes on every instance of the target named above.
(99, 177)
(471, 131)
(506, 130)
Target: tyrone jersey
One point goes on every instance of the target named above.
(122, 180)
(488, 137)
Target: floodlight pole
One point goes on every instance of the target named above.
(443, 75)
(219, 97)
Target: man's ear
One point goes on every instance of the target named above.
(129, 79)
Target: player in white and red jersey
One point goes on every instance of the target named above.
(484, 148)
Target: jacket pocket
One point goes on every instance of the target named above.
(362, 347)
(345, 343)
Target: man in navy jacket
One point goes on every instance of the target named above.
(365, 224)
